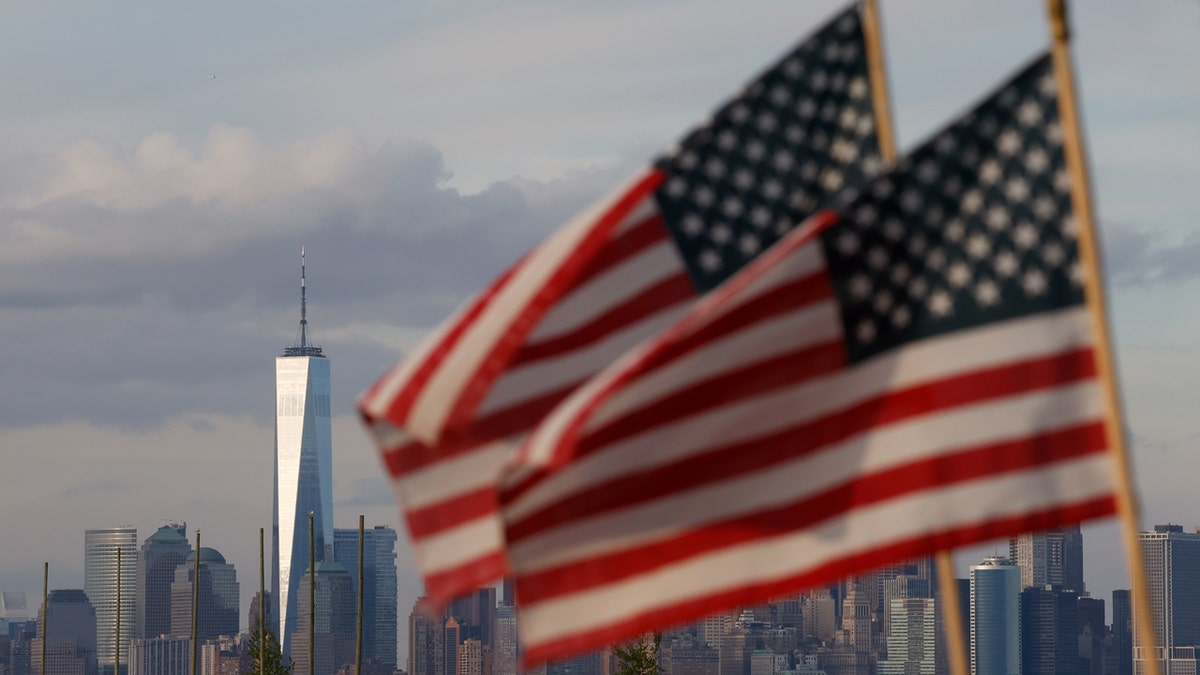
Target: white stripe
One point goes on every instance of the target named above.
(461, 365)
(619, 284)
(914, 364)
(777, 558)
(455, 476)
(877, 450)
(459, 545)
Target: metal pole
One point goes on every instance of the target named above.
(262, 606)
(45, 611)
(312, 595)
(358, 638)
(1089, 255)
(117, 630)
(196, 608)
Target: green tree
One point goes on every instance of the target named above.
(639, 657)
(276, 663)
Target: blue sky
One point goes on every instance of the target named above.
(162, 163)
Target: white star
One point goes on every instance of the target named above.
(989, 172)
(978, 246)
(809, 170)
(767, 122)
(865, 126)
(987, 293)
(877, 258)
(847, 243)
(739, 113)
(955, 230)
(839, 82)
(849, 118)
(899, 274)
(1036, 160)
(971, 202)
(1006, 264)
(882, 301)
(784, 160)
(901, 317)
(677, 187)
(749, 244)
(1043, 207)
(760, 217)
(715, 168)
(918, 287)
(710, 261)
(1053, 254)
(1062, 182)
(732, 207)
(997, 218)
(928, 171)
(945, 144)
(1009, 143)
(866, 331)
(847, 24)
(720, 233)
(959, 274)
(1034, 283)
(872, 165)
(1016, 189)
(952, 186)
(866, 215)
(794, 133)
(882, 189)
(1054, 133)
(727, 140)
(940, 303)
(692, 224)
(858, 88)
(860, 287)
(832, 53)
(793, 68)
(743, 179)
(933, 215)
(1008, 97)
(936, 259)
(1030, 113)
(987, 126)
(1070, 227)
(831, 179)
(916, 245)
(703, 196)
(1025, 236)
(780, 95)
(755, 150)
(893, 229)
(844, 150)
(910, 201)
(806, 108)
(688, 160)
(1076, 273)
(783, 226)
(772, 189)
(1046, 85)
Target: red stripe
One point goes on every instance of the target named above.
(442, 587)
(648, 232)
(511, 337)
(452, 512)
(402, 401)
(751, 594)
(929, 474)
(649, 301)
(723, 462)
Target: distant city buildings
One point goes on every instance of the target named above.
(71, 648)
(218, 597)
(379, 587)
(995, 617)
(334, 629)
(1172, 560)
(161, 554)
(108, 574)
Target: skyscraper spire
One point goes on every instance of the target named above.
(302, 347)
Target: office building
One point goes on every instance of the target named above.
(995, 617)
(475, 612)
(71, 649)
(303, 469)
(218, 593)
(164, 655)
(108, 574)
(506, 651)
(1050, 642)
(1122, 632)
(334, 628)
(161, 553)
(379, 586)
(1049, 558)
(426, 643)
(1172, 562)
(913, 638)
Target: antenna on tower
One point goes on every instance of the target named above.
(302, 347)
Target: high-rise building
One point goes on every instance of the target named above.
(103, 583)
(1122, 632)
(161, 553)
(334, 628)
(426, 649)
(71, 649)
(470, 657)
(913, 637)
(303, 469)
(1049, 558)
(1172, 562)
(164, 655)
(1049, 631)
(475, 612)
(218, 595)
(379, 586)
(995, 618)
(505, 647)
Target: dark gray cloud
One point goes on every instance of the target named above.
(126, 304)
(1136, 257)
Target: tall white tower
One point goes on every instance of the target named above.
(104, 584)
(303, 469)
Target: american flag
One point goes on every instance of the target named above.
(450, 415)
(912, 373)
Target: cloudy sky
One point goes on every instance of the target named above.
(161, 164)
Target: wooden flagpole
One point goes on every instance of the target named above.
(947, 588)
(195, 670)
(45, 612)
(1081, 207)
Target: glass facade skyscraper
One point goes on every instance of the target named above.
(161, 553)
(379, 586)
(1172, 562)
(100, 582)
(303, 470)
(995, 617)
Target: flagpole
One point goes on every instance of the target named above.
(361, 582)
(885, 134)
(196, 607)
(45, 612)
(262, 608)
(117, 636)
(1081, 207)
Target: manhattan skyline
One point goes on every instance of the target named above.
(150, 216)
